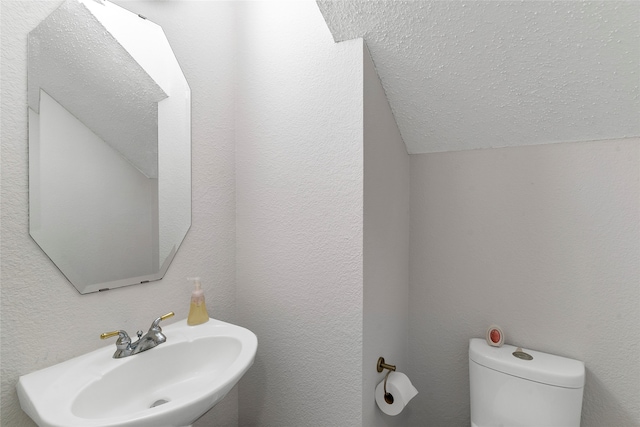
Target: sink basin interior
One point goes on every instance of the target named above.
(155, 378)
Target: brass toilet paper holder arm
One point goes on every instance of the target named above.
(382, 366)
(388, 397)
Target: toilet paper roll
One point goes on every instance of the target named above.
(400, 387)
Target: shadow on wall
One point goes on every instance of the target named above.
(606, 403)
(251, 400)
(401, 420)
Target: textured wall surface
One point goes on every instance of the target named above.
(543, 241)
(386, 247)
(478, 74)
(44, 319)
(299, 217)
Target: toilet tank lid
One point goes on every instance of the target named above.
(543, 368)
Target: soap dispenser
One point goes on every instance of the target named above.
(198, 311)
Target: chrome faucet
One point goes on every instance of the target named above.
(152, 338)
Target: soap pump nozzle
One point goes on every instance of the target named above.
(198, 285)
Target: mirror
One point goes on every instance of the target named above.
(109, 145)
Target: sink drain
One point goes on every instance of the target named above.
(158, 403)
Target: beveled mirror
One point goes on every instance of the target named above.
(109, 145)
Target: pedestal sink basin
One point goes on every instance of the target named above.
(170, 385)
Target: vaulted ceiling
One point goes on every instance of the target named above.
(477, 74)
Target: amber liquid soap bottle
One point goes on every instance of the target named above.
(198, 311)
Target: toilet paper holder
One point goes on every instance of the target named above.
(381, 365)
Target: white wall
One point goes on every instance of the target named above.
(299, 217)
(386, 247)
(543, 241)
(44, 319)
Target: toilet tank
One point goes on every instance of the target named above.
(507, 391)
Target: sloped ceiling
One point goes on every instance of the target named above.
(465, 75)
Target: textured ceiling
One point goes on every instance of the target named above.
(477, 74)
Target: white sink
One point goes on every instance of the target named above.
(170, 385)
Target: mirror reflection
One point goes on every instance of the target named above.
(109, 145)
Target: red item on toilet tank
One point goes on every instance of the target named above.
(495, 336)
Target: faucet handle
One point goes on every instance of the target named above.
(106, 335)
(156, 322)
(166, 316)
(123, 339)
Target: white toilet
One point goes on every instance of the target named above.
(509, 390)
